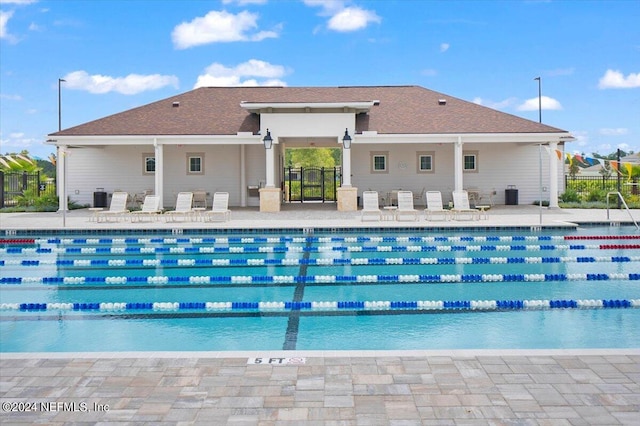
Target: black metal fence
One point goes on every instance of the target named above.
(587, 184)
(15, 186)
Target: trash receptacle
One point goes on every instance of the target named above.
(100, 198)
(511, 196)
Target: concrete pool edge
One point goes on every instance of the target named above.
(462, 353)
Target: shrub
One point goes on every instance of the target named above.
(597, 195)
(570, 196)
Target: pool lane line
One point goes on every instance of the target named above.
(276, 240)
(293, 325)
(286, 262)
(400, 308)
(321, 249)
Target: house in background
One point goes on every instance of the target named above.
(233, 139)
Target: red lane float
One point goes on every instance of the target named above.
(602, 237)
(17, 241)
(619, 246)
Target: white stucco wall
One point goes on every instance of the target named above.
(499, 165)
(121, 168)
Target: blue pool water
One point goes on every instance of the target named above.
(338, 290)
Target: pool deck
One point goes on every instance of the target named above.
(453, 387)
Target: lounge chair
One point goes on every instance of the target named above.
(435, 206)
(117, 207)
(183, 207)
(220, 209)
(370, 206)
(461, 206)
(405, 206)
(150, 209)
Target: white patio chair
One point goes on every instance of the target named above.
(150, 209)
(435, 206)
(117, 207)
(405, 206)
(220, 208)
(183, 207)
(370, 206)
(461, 206)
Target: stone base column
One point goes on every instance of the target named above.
(270, 199)
(347, 199)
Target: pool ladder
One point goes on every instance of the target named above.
(625, 206)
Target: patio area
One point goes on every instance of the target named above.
(454, 387)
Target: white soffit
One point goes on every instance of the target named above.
(258, 107)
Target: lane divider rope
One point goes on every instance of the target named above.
(152, 263)
(437, 305)
(299, 249)
(305, 239)
(324, 279)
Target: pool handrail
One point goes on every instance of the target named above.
(625, 206)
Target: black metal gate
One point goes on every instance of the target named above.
(14, 185)
(311, 183)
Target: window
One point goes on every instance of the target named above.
(379, 162)
(148, 164)
(425, 162)
(470, 162)
(195, 164)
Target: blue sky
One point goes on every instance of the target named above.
(116, 55)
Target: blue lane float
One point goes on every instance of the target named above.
(321, 239)
(426, 305)
(311, 249)
(321, 279)
(178, 263)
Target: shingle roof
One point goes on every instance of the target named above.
(217, 111)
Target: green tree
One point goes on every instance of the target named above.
(307, 157)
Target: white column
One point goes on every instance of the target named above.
(159, 175)
(346, 167)
(457, 165)
(553, 175)
(270, 166)
(243, 176)
(63, 152)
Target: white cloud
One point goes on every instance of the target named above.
(4, 19)
(614, 132)
(616, 80)
(352, 19)
(342, 18)
(429, 72)
(219, 27)
(129, 85)
(581, 136)
(496, 105)
(329, 7)
(218, 75)
(444, 47)
(547, 103)
(10, 97)
(18, 2)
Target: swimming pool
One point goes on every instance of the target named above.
(321, 290)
